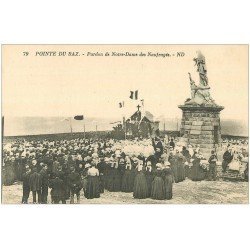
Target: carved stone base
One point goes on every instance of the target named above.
(200, 125)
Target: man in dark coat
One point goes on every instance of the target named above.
(17, 168)
(63, 176)
(55, 166)
(45, 184)
(66, 170)
(79, 168)
(158, 147)
(26, 185)
(35, 182)
(22, 164)
(101, 167)
(227, 158)
(57, 190)
(75, 185)
(172, 144)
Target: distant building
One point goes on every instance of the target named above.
(141, 124)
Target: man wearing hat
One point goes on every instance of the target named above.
(227, 158)
(168, 181)
(35, 182)
(101, 165)
(45, 184)
(158, 147)
(75, 185)
(26, 184)
(172, 144)
(57, 190)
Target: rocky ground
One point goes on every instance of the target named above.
(187, 192)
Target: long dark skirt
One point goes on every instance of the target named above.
(127, 181)
(140, 186)
(181, 172)
(158, 189)
(224, 165)
(149, 178)
(114, 183)
(106, 181)
(187, 171)
(8, 175)
(109, 179)
(117, 180)
(175, 171)
(197, 173)
(102, 184)
(19, 172)
(168, 186)
(93, 189)
(132, 178)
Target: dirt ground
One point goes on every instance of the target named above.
(187, 192)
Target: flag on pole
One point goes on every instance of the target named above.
(134, 95)
(121, 104)
(79, 117)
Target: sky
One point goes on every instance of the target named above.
(43, 86)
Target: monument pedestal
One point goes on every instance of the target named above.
(200, 125)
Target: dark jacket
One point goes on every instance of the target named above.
(26, 180)
(35, 181)
(74, 180)
(172, 144)
(186, 154)
(227, 156)
(57, 188)
(44, 177)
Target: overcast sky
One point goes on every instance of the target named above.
(93, 86)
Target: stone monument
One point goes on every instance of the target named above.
(200, 123)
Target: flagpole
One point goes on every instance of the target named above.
(84, 130)
(125, 128)
(143, 107)
(70, 125)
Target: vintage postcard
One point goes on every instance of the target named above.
(124, 124)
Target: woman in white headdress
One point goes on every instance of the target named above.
(117, 176)
(168, 181)
(149, 173)
(140, 184)
(109, 174)
(127, 182)
(158, 188)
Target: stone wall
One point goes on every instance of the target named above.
(201, 125)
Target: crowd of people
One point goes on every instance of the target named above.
(235, 158)
(146, 168)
